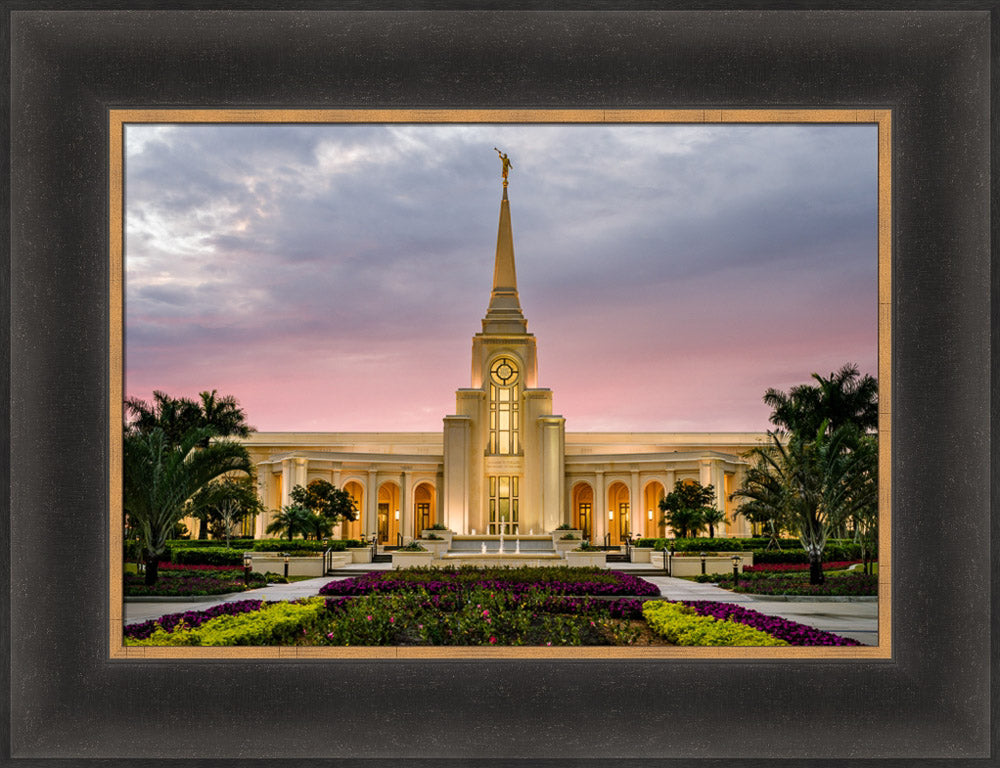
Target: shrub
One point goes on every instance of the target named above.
(680, 625)
(439, 527)
(189, 619)
(556, 581)
(568, 537)
(274, 578)
(564, 527)
(413, 546)
(295, 545)
(790, 631)
(434, 537)
(208, 556)
(275, 624)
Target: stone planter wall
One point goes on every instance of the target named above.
(306, 565)
(360, 554)
(641, 554)
(583, 559)
(446, 535)
(690, 565)
(412, 559)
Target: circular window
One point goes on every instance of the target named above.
(504, 371)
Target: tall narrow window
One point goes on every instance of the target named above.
(504, 408)
(504, 504)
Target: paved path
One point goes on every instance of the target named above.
(857, 620)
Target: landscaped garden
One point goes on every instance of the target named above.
(793, 579)
(489, 607)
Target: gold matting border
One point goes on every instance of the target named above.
(118, 118)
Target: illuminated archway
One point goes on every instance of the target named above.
(652, 514)
(424, 507)
(352, 529)
(388, 511)
(618, 511)
(583, 509)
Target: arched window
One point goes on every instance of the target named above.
(505, 415)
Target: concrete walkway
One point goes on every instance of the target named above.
(857, 620)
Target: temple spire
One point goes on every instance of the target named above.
(504, 313)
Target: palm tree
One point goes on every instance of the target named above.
(175, 416)
(810, 486)
(711, 517)
(224, 415)
(159, 476)
(845, 397)
(293, 520)
(684, 507)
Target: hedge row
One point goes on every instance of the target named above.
(181, 552)
(791, 552)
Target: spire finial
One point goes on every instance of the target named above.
(505, 165)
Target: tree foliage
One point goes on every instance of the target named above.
(222, 503)
(326, 500)
(685, 507)
(811, 486)
(160, 474)
(844, 397)
(293, 520)
(178, 416)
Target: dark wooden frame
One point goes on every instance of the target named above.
(933, 699)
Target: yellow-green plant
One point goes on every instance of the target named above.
(277, 624)
(680, 625)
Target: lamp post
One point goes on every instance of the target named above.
(702, 563)
(247, 565)
(666, 560)
(285, 556)
(736, 567)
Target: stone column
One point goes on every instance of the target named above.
(719, 481)
(599, 514)
(301, 469)
(287, 480)
(553, 470)
(405, 515)
(637, 514)
(370, 519)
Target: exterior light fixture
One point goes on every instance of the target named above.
(702, 554)
(247, 565)
(397, 514)
(611, 515)
(736, 567)
(650, 513)
(285, 557)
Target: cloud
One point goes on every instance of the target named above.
(295, 247)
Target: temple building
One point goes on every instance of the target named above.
(504, 460)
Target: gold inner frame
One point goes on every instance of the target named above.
(118, 118)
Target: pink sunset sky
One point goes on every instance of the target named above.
(331, 277)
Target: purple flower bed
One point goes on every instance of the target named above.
(191, 618)
(438, 584)
(790, 631)
(620, 608)
(858, 584)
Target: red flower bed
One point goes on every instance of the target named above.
(177, 567)
(839, 565)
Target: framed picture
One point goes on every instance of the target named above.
(72, 70)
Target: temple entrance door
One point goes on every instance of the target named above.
(623, 521)
(585, 512)
(423, 516)
(383, 522)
